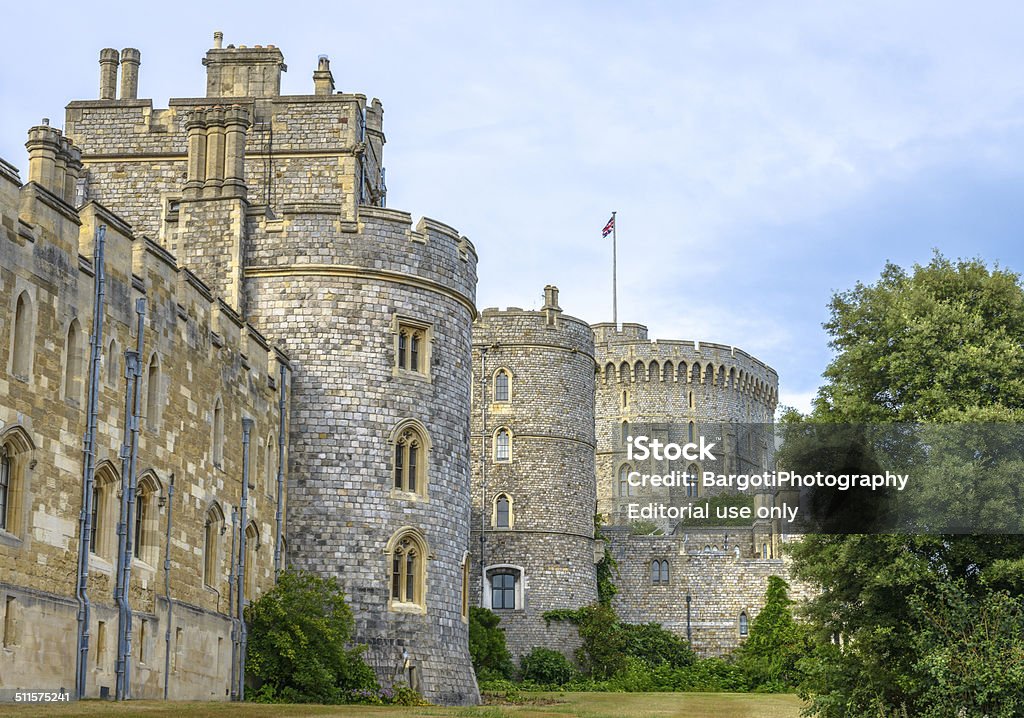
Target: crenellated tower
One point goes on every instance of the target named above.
(277, 202)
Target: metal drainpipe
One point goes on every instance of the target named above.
(279, 517)
(89, 463)
(240, 592)
(484, 458)
(167, 584)
(129, 452)
(231, 605)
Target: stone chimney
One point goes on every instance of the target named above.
(108, 73)
(130, 60)
(243, 71)
(323, 80)
(551, 308)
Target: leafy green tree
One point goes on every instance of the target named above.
(943, 343)
(487, 648)
(776, 643)
(298, 651)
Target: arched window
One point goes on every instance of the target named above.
(691, 432)
(501, 385)
(21, 342)
(153, 393)
(146, 536)
(659, 571)
(5, 486)
(624, 431)
(104, 493)
(625, 399)
(744, 625)
(408, 561)
(692, 481)
(211, 545)
(218, 434)
(410, 452)
(73, 363)
(502, 511)
(113, 363)
(505, 588)
(624, 488)
(252, 547)
(270, 467)
(764, 550)
(502, 445)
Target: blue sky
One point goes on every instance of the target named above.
(760, 157)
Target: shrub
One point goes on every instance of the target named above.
(602, 654)
(297, 646)
(547, 667)
(769, 655)
(655, 645)
(487, 649)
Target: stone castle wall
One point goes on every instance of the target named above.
(204, 354)
(548, 478)
(274, 201)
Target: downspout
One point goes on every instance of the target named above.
(484, 458)
(129, 450)
(279, 517)
(89, 464)
(231, 606)
(240, 592)
(167, 584)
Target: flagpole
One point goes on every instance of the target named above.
(615, 270)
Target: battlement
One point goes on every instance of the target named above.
(545, 326)
(35, 219)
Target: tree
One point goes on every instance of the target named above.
(487, 649)
(944, 343)
(298, 642)
(769, 655)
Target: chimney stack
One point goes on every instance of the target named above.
(323, 80)
(130, 60)
(108, 73)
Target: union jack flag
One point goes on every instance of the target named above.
(609, 228)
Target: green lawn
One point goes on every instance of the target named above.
(541, 705)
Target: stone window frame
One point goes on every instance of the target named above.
(22, 337)
(743, 623)
(105, 510)
(72, 365)
(518, 588)
(693, 490)
(660, 574)
(507, 373)
(397, 565)
(19, 448)
(622, 479)
(270, 467)
(146, 536)
(112, 372)
(407, 432)
(155, 395)
(253, 544)
(506, 458)
(511, 511)
(217, 433)
(214, 527)
(403, 351)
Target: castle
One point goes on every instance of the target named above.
(269, 368)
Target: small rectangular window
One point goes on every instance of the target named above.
(412, 345)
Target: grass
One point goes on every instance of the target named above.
(543, 705)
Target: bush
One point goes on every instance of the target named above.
(655, 645)
(547, 667)
(297, 646)
(487, 649)
(603, 653)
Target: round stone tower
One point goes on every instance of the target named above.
(379, 333)
(677, 391)
(533, 470)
